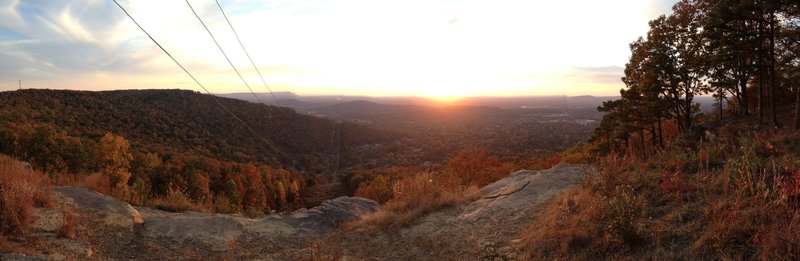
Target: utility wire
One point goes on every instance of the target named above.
(223, 51)
(286, 133)
(247, 54)
(201, 85)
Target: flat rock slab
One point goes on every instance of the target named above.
(220, 232)
(116, 212)
(523, 188)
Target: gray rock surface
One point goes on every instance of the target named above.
(489, 226)
(107, 228)
(522, 189)
(115, 212)
(220, 232)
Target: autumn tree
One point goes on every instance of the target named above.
(115, 162)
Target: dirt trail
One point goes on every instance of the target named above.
(106, 228)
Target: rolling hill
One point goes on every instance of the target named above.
(185, 122)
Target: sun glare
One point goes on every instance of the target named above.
(444, 95)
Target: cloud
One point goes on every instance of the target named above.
(336, 46)
(68, 38)
(603, 74)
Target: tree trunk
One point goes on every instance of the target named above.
(744, 109)
(654, 138)
(760, 91)
(687, 106)
(661, 132)
(760, 61)
(641, 139)
(772, 85)
(719, 103)
(797, 108)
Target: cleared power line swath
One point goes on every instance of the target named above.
(201, 85)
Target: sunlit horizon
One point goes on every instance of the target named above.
(442, 50)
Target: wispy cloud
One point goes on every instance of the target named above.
(327, 46)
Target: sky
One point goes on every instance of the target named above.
(445, 48)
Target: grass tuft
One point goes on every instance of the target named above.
(21, 190)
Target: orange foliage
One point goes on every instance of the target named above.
(379, 189)
(545, 161)
(475, 167)
(254, 195)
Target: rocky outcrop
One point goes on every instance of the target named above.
(113, 211)
(220, 232)
(111, 229)
(332, 212)
(522, 189)
(486, 229)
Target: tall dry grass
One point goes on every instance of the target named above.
(21, 190)
(415, 196)
(408, 196)
(738, 198)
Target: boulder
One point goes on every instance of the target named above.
(219, 232)
(333, 212)
(524, 188)
(116, 213)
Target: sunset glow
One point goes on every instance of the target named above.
(440, 49)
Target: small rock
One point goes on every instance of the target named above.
(56, 257)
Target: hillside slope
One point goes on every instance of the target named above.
(105, 228)
(183, 122)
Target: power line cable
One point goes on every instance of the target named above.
(201, 85)
(223, 52)
(261, 76)
(289, 137)
(247, 53)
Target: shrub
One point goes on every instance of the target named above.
(176, 201)
(618, 224)
(21, 189)
(379, 189)
(67, 229)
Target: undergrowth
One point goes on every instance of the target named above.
(21, 190)
(413, 197)
(737, 197)
(408, 194)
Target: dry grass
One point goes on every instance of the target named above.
(735, 199)
(21, 190)
(413, 197)
(67, 229)
(594, 218)
(176, 202)
(408, 196)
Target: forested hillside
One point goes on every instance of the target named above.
(177, 122)
(175, 146)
